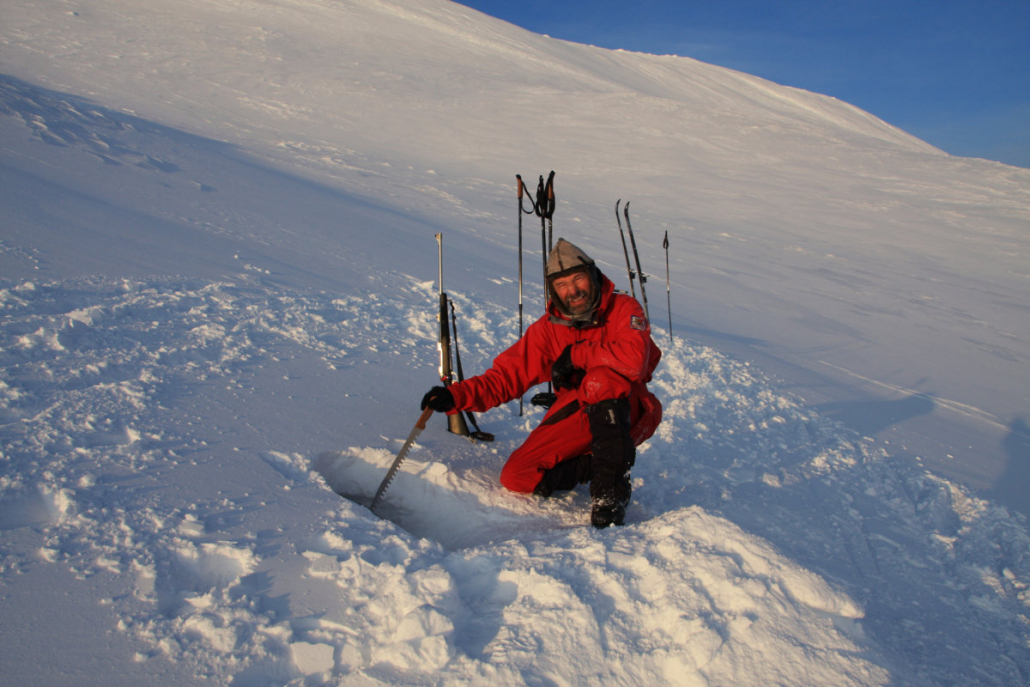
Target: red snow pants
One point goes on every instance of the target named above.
(564, 432)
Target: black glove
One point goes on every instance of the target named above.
(439, 399)
(565, 375)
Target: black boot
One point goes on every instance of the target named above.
(564, 476)
(613, 456)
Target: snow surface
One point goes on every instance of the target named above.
(218, 305)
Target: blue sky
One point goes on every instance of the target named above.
(955, 73)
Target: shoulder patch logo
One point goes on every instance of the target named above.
(637, 322)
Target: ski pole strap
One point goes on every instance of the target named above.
(543, 206)
(545, 197)
(479, 434)
(548, 211)
(522, 208)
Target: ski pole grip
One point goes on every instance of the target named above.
(519, 177)
(424, 417)
(549, 210)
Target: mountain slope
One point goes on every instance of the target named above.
(430, 108)
(224, 300)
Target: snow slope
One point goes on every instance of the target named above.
(218, 303)
(915, 335)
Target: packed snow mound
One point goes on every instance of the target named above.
(686, 594)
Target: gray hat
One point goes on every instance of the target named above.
(566, 258)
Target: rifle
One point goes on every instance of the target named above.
(456, 422)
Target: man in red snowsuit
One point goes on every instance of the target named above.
(595, 346)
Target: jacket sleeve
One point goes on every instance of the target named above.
(626, 346)
(516, 370)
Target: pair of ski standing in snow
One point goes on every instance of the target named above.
(595, 347)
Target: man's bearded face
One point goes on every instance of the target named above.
(575, 292)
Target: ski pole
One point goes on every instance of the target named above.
(668, 283)
(545, 208)
(550, 212)
(519, 177)
(541, 211)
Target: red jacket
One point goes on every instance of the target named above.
(619, 339)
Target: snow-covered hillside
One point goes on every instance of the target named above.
(218, 302)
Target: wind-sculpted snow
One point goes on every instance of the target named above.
(764, 544)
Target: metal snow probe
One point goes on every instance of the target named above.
(419, 426)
